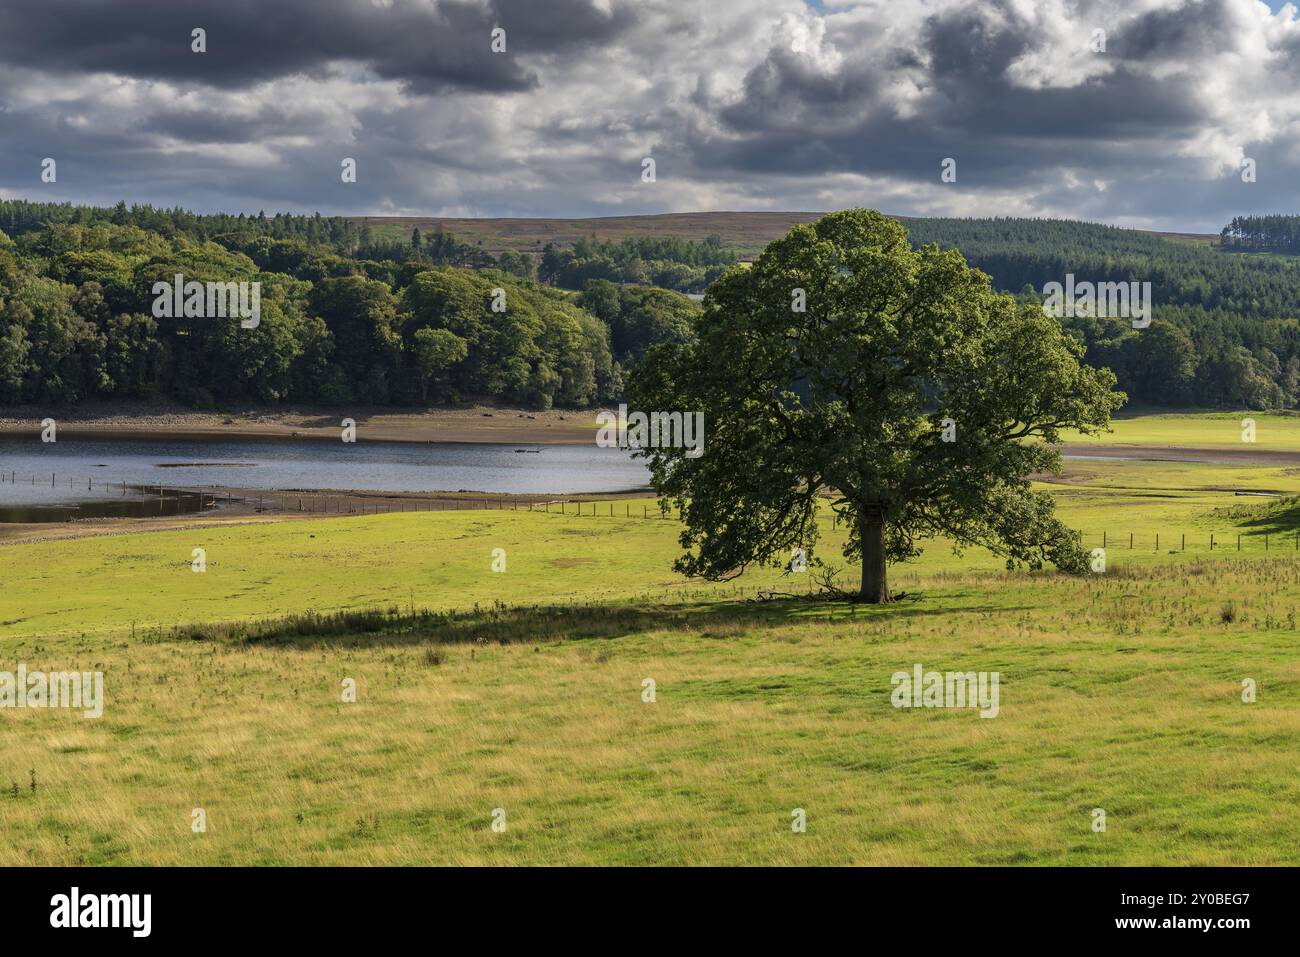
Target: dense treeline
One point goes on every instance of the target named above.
(19, 216)
(666, 262)
(351, 317)
(639, 316)
(1273, 234)
(1226, 329)
(412, 324)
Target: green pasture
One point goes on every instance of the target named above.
(1275, 432)
(524, 692)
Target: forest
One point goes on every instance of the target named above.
(1273, 233)
(1226, 328)
(343, 319)
(348, 317)
(666, 262)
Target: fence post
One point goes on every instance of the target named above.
(1157, 541)
(1211, 541)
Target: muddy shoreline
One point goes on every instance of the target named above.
(1178, 453)
(241, 506)
(469, 424)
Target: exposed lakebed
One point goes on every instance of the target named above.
(90, 474)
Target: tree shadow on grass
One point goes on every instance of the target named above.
(536, 624)
(1283, 519)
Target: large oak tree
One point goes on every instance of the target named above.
(907, 389)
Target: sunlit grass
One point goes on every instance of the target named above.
(1200, 430)
(1119, 691)
(523, 691)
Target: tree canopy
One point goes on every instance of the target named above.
(897, 381)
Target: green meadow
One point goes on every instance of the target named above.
(521, 695)
(1200, 430)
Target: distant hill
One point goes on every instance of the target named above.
(744, 232)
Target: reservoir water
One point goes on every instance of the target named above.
(38, 473)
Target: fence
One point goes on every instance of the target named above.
(355, 502)
(363, 503)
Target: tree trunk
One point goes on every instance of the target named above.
(871, 531)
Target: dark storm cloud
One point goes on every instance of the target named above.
(214, 126)
(1197, 28)
(432, 47)
(972, 49)
(794, 119)
(743, 104)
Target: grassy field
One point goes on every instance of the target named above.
(523, 691)
(1200, 430)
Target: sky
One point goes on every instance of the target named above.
(742, 105)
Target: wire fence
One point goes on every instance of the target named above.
(179, 499)
(355, 502)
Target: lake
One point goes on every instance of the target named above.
(307, 464)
